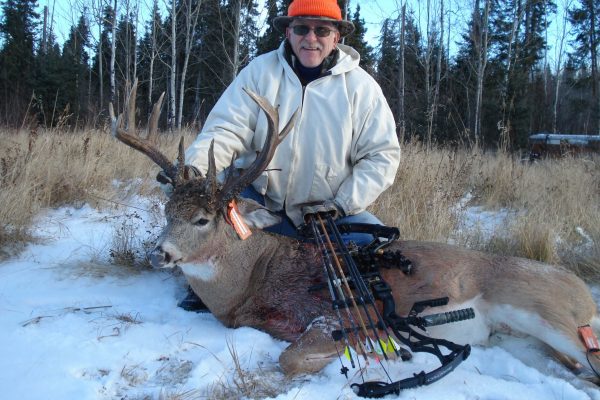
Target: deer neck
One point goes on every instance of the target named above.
(230, 275)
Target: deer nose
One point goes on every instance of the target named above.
(157, 258)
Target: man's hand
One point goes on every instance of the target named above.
(166, 184)
(328, 207)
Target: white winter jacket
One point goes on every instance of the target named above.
(343, 146)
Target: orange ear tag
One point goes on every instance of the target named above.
(588, 338)
(237, 221)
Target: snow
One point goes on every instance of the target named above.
(74, 326)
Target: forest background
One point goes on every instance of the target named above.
(484, 72)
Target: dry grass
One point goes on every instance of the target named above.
(239, 381)
(49, 169)
(428, 186)
(557, 201)
(560, 205)
(127, 248)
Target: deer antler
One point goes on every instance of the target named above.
(235, 184)
(146, 146)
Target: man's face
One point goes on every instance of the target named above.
(310, 48)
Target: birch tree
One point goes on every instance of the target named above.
(191, 10)
(561, 34)
(401, 74)
(113, 53)
(173, 68)
(480, 37)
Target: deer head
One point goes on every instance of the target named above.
(197, 208)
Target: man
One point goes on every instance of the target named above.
(343, 151)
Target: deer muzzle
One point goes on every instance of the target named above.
(157, 258)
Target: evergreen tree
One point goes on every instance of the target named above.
(125, 56)
(387, 74)
(148, 50)
(104, 43)
(17, 58)
(359, 43)
(248, 37)
(272, 38)
(585, 19)
(48, 83)
(518, 44)
(387, 66)
(75, 70)
(213, 71)
(462, 89)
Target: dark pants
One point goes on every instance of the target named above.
(287, 228)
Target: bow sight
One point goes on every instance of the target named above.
(358, 282)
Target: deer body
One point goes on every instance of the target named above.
(263, 282)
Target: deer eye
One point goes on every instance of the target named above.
(201, 222)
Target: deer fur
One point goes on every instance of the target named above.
(263, 281)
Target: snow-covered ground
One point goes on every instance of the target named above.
(73, 326)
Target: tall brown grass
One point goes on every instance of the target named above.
(49, 168)
(555, 204)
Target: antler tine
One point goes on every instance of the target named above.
(180, 167)
(211, 173)
(134, 141)
(233, 186)
(153, 122)
(131, 105)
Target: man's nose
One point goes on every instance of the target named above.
(311, 35)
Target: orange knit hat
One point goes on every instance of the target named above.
(327, 10)
(321, 8)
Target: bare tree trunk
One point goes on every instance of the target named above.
(135, 38)
(427, 63)
(438, 73)
(559, 71)
(153, 54)
(172, 89)
(127, 44)
(99, 12)
(113, 54)
(191, 19)
(232, 28)
(235, 53)
(45, 31)
(507, 103)
(401, 78)
(594, 61)
(480, 39)
(89, 96)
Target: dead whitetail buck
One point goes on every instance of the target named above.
(262, 281)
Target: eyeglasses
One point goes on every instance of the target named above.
(320, 31)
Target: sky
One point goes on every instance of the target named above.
(66, 13)
(73, 326)
(457, 15)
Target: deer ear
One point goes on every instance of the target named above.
(255, 215)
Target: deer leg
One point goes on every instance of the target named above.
(572, 364)
(312, 351)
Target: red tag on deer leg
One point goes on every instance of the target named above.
(237, 221)
(588, 338)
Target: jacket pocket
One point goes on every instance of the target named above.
(323, 184)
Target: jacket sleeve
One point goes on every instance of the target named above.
(231, 125)
(375, 154)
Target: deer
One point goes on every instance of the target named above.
(261, 282)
